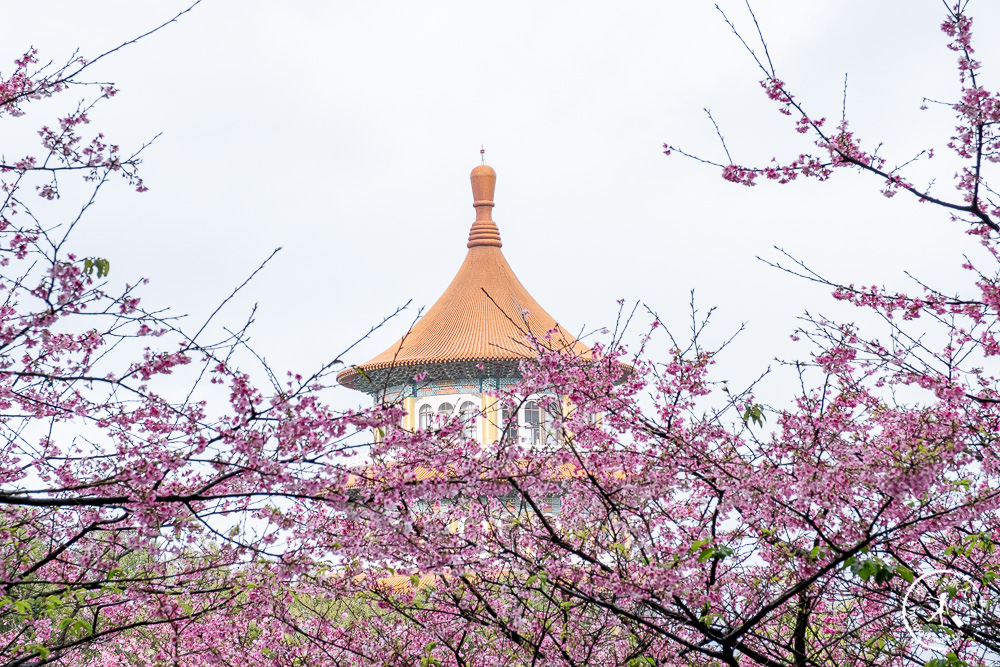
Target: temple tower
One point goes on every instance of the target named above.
(469, 344)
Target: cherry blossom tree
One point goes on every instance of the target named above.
(146, 482)
(159, 506)
(855, 525)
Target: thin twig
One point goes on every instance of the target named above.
(721, 138)
(235, 292)
(769, 74)
(133, 40)
(760, 34)
(843, 102)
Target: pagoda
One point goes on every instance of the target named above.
(470, 344)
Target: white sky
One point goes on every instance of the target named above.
(345, 132)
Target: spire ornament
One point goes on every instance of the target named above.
(484, 231)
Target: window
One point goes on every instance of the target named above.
(426, 415)
(508, 424)
(468, 413)
(534, 423)
(444, 411)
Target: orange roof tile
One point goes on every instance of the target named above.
(484, 314)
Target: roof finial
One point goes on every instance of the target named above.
(482, 153)
(484, 231)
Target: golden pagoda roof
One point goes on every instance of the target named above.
(482, 319)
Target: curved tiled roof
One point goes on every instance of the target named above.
(483, 316)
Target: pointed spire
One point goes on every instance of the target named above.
(484, 231)
(476, 328)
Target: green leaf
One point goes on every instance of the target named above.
(83, 626)
(754, 413)
(872, 568)
(101, 265)
(643, 661)
(719, 552)
(950, 660)
(699, 544)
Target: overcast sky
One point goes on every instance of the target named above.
(344, 132)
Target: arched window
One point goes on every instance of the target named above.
(534, 423)
(508, 424)
(426, 415)
(468, 413)
(444, 411)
